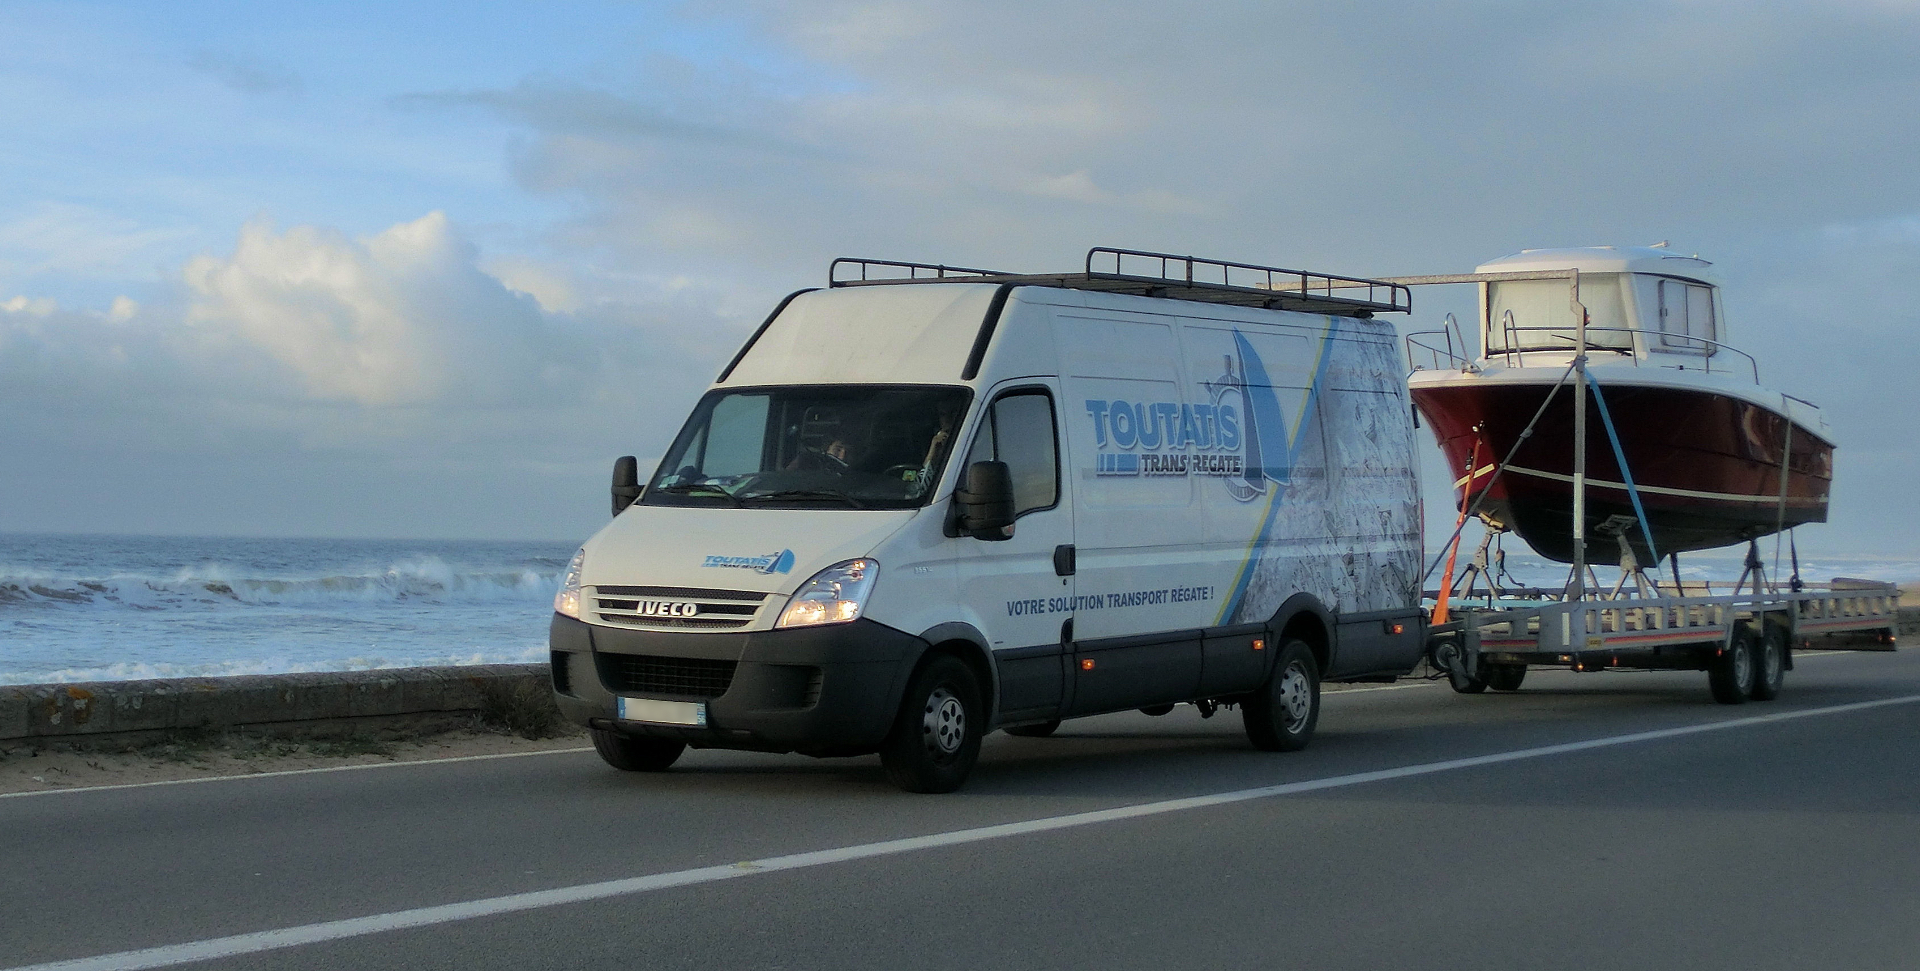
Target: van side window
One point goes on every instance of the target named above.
(1019, 431)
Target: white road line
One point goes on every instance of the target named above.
(281, 772)
(238, 944)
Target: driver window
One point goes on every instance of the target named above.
(1019, 430)
(736, 438)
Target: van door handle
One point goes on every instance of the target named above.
(1063, 560)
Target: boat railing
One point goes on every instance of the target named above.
(1513, 354)
(1454, 353)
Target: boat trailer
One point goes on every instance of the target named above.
(1745, 642)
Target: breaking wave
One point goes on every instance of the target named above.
(140, 671)
(424, 580)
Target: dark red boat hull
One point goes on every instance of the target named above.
(1707, 465)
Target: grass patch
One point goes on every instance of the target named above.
(523, 707)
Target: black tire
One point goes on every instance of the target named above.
(936, 737)
(1156, 710)
(1447, 657)
(1280, 715)
(1041, 730)
(1505, 677)
(1770, 667)
(630, 754)
(1732, 674)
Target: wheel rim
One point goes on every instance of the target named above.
(1743, 666)
(944, 724)
(1296, 696)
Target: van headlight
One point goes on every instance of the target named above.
(567, 601)
(835, 595)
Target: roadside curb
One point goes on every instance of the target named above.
(295, 703)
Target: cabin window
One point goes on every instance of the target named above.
(1537, 315)
(1019, 431)
(1686, 316)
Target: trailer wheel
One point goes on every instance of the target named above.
(936, 737)
(1041, 730)
(1280, 715)
(1506, 677)
(1771, 669)
(1732, 675)
(630, 754)
(1448, 657)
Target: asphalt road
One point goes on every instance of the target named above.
(1788, 843)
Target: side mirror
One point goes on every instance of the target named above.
(984, 506)
(626, 482)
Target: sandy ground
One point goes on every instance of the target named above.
(26, 769)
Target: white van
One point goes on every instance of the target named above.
(927, 502)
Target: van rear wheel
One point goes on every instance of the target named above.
(630, 754)
(1037, 730)
(1280, 715)
(936, 737)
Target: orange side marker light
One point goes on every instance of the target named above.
(1086, 664)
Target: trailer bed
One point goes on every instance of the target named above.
(1725, 635)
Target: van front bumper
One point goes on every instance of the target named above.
(831, 690)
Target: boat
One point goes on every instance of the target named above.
(1684, 449)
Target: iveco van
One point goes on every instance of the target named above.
(927, 502)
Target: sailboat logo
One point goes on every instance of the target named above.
(1267, 450)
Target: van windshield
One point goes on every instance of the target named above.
(846, 446)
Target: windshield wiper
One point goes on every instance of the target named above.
(807, 494)
(700, 489)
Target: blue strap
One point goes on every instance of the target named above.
(1621, 457)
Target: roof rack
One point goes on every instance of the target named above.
(1162, 275)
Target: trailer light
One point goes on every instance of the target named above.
(1396, 628)
(1086, 664)
(1566, 658)
(1259, 643)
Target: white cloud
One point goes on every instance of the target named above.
(76, 240)
(36, 306)
(362, 362)
(402, 317)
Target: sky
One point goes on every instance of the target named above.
(425, 269)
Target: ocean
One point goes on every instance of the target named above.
(107, 608)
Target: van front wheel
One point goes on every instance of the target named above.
(1280, 715)
(936, 737)
(630, 754)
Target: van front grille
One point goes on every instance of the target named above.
(645, 674)
(677, 608)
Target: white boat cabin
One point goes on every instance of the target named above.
(1643, 303)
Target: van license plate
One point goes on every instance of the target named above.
(664, 712)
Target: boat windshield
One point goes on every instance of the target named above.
(1537, 315)
(845, 446)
